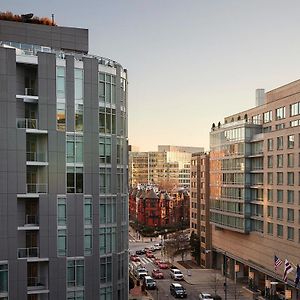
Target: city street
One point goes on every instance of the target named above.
(206, 283)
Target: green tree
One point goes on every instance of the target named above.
(195, 246)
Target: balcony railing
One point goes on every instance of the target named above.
(37, 188)
(31, 220)
(27, 123)
(35, 156)
(28, 252)
(29, 92)
(36, 282)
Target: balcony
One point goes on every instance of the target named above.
(27, 123)
(36, 159)
(36, 188)
(31, 223)
(28, 252)
(29, 96)
(36, 283)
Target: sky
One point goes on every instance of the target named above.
(190, 63)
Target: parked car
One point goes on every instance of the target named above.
(177, 290)
(157, 274)
(157, 246)
(149, 254)
(140, 252)
(205, 296)
(140, 272)
(176, 274)
(134, 257)
(149, 283)
(163, 265)
(156, 260)
(152, 248)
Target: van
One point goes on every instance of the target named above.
(149, 283)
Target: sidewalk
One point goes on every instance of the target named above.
(139, 238)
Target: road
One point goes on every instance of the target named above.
(163, 285)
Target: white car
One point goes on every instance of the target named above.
(205, 296)
(176, 274)
(157, 246)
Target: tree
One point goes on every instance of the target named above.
(195, 246)
(178, 244)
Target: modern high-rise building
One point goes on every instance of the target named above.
(63, 167)
(199, 206)
(254, 191)
(168, 167)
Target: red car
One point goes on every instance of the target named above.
(163, 265)
(156, 260)
(149, 254)
(157, 274)
(134, 257)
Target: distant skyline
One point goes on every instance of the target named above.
(190, 63)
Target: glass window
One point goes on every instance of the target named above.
(105, 150)
(290, 178)
(270, 178)
(279, 230)
(280, 161)
(279, 142)
(105, 269)
(279, 178)
(88, 212)
(61, 242)
(279, 196)
(270, 211)
(290, 159)
(280, 113)
(290, 233)
(267, 116)
(77, 295)
(270, 228)
(3, 278)
(279, 213)
(270, 195)
(295, 109)
(75, 273)
(105, 293)
(290, 215)
(61, 212)
(88, 241)
(290, 197)
(60, 96)
(270, 144)
(270, 161)
(291, 141)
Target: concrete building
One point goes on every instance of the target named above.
(254, 190)
(168, 167)
(199, 206)
(63, 167)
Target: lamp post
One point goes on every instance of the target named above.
(157, 293)
(225, 274)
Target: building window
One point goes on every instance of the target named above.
(107, 240)
(61, 242)
(88, 211)
(279, 196)
(290, 197)
(270, 228)
(270, 211)
(75, 273)
(88, 241)
(290, 233)
(270, 161)
(105, 150)
(74, 180)
(280, 113)
(280, 161)
(267, 116)
(279, 230)
(106, 293)
(270, 195)
(290, 160)
(61, 99)
(279, 142)
(279, 178)
(270, 144)
(3, 278)
(290, 178)
(78, 76)
(291, 141)
(78, 295)
(279, 213)
(295, 109)
(105, 180)
(290, 215)
(61, 212)
(270, 178)
(105, 269)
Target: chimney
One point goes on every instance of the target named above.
(260, 97)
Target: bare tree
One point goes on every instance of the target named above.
(178, 244)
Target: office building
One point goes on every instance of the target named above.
(63, 166)
(254, 190)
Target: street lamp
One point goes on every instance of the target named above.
(225, 274)
(157, 294)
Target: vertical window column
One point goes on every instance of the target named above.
(61, 226)
(88, 226)
(60, 98)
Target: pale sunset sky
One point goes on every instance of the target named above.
(190, 63)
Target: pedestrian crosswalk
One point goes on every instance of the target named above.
(144, 261)
(132, 241)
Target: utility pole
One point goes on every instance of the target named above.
(225, 274)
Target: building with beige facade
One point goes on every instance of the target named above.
(168, 167)
(254, 190)
(199, 205)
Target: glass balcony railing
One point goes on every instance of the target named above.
(36, 156)
(31, 220)
(36, 282)
(37, 188)
(27, 123)
(28, 252)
